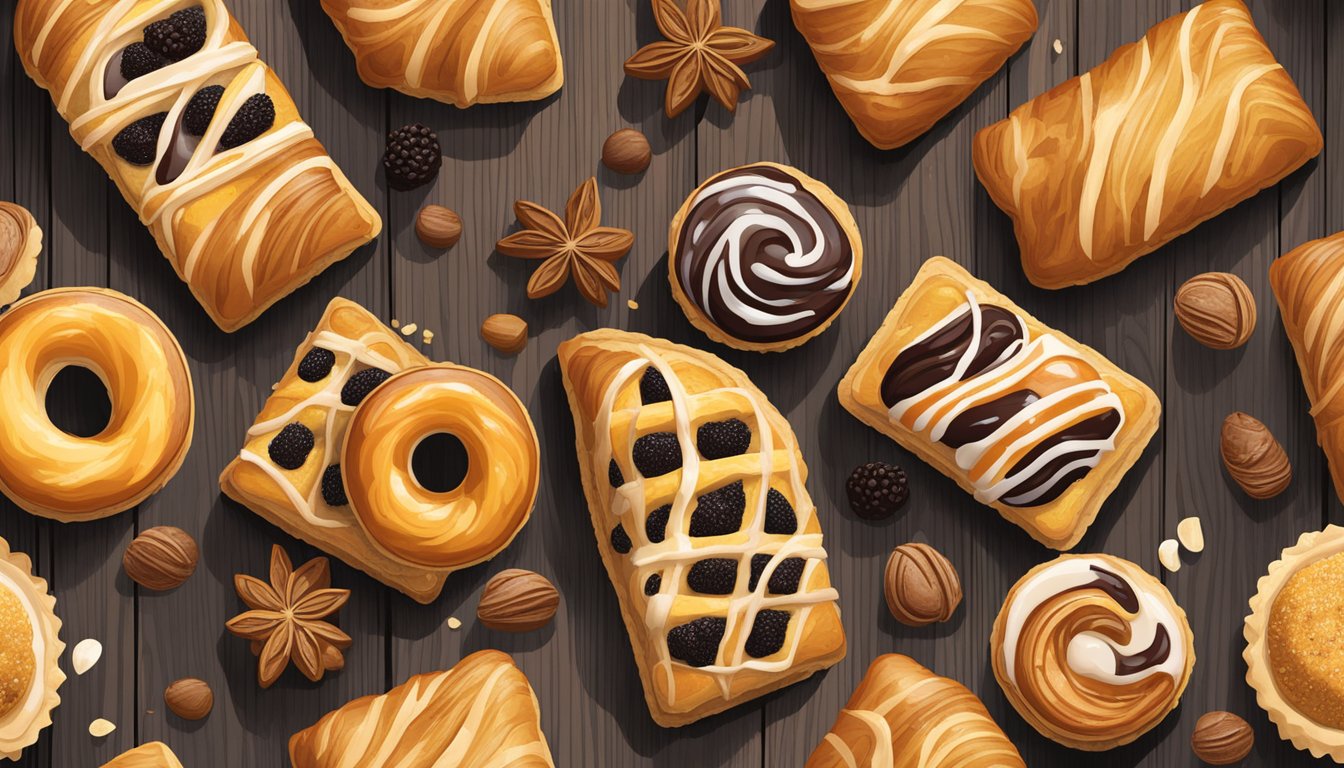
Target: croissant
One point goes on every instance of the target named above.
(154, 754)
(1166, 133)
(905, 715)
(899, 67)
(1309, 284)
(203, 141)
(479, 714)
(461, 52)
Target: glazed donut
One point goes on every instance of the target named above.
(470, 523)
(58, 475)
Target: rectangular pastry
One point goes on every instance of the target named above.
(697, 493)
(898, 67)
(1166, 133)
(203, 141)
(1029, 421)
(348, 354)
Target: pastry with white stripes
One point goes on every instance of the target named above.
(698, 497)
(482, 713)
(905, 715)
(899, 66)
(1168, 132)
(203, 141)
(460, 52)
(30, 653)
(763, 257)
(1029, 421)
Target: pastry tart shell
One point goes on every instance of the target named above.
(17, 568)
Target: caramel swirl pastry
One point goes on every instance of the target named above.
(1168, 132)
(1091, 650)
(203, 141)
(698, 497)
(30, 653)
(1030, 422)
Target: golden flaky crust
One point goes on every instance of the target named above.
(479, 714)
(20, 243)
(243, 227)
(899, 67)
(602, 373)
(1166, 133)
(940, 286)
(23, 720)
(1309, 284)
(903, 714)
(154, 754)
(461, 52)
(69, 478)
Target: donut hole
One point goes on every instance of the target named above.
(439, 462)
(78, 403)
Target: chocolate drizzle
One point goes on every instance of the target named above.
(181, 146)
(1098, 427)
(1119, 590)
(932, 360)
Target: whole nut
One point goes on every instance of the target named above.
(438, 227)
(517, 601)
(1254, 458)
(1217, 309)
(506, 333)
(161, 558)
(921, 586)
(626, 151)
(189, 698)
(1222, 738)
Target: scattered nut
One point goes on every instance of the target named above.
(1191, 534)
(101, 727)
(438, 227)
(189, 698)
(161, 558)
(1222, 738)
(1059, 46)
(506, 333)
(631, 303)
(1254, 458)
(1169, 554)
(408, 329)
(921, 586)
(517, 601)
(1217, 309)
(454, 622)
(626, 151)
(85, 655)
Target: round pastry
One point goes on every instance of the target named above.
(1091, 650)
(20, 242)
(30, 649)
(1295, 643)
(467, 524)
(59, 475)
(763, 257)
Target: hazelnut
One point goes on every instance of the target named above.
(1254, 458)
(626, 151)
(1222, 738)
(506, 333)
(517, 601)
(189, 698)
(921, 586)
(438, 227)
(1217, 309)
(161, 558)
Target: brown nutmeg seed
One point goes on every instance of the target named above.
(1253, 457)
(626, 151)
(1217, 309)
(920, 585)
(438, 227)
(1222, 738)
(506, 333)
(161, 558)
(516, 600)
(189, 698)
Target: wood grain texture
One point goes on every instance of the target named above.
(911, 203)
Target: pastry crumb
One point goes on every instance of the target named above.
(408, 329)
(1059, 46)
(632, 304)
(101, 727)
(427, 336)
(454, 622)
(396, 323)
(1191, 534)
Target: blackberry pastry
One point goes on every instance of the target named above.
(697, 493)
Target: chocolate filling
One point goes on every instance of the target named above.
(181, 146)
(1098, 427)
(932, 360)
(1119, 590)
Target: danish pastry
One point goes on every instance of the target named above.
(900, 67)
(56, 474)
(154, 754)
(20, 243)
(1166, 133)
(30, 652)
(202, 140)
(903, 714)
(1091, 650)
(482, 713)
(1309, 284)
(461, 52)
(697, 493)
(1029, 421)
(763, 257)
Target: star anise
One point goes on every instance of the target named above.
(699, 54)
(578, 245)
(285, 621)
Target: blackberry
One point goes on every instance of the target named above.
(653, 387)
(254, 118)
(291, 447)
(655, 525)
(657, 454)
(412, 158)
(179, 35)
(713, 576)
(876, 490)
(620, 540)
(654, 585)
(201, 109)
(361, 384)
(138, 143)
(779, 515)
(720, 511)
(138, 60)
(721, 439)
(697, 642)
(316, 365)
(614, 474)
(767, 633)
(333, 488)
(783, 580)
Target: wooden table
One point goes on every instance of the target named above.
(911, 203)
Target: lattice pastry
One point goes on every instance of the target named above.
(697, 493)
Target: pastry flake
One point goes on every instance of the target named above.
(30, 652)
(154, 754)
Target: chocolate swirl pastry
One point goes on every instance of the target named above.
(763, 258)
